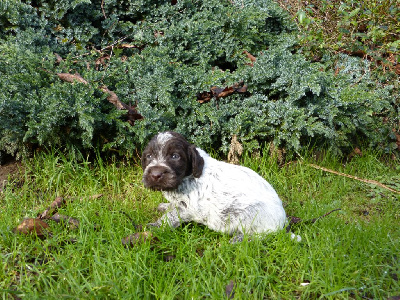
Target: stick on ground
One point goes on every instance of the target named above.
(355, 178)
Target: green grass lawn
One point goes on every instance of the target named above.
(352, 253)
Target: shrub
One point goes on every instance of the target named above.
(159, 58)
(366, 29)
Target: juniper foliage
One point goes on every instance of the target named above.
(159, 55)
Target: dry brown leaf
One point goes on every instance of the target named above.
(138, 238)
(127, 46)
(132, 114)
(200, 252)
(397, 136)
(204, 97)
(96, 196)
(397, 69)
(242, 90)
(58, 58)
(102, 60)
(33, 226)
(230, 289)
(355, 152)
(251, 57)
(71, 78)
(73, 223)
(51, 210)
(221, 92)
(169, 257)
(113, 98)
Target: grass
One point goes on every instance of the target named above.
(352, 253)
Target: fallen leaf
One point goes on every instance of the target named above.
(294, 220)
(73, 223)
(200, 252)
(397, 136)
(221, 92)
(57, 203)
(102, 60)
(204, 97)
(97, 196)
(251, 57)
(33, 226)
(58, 58)
(132, 114)
(169, 258)
(71, 78)
(113, 98)
(356, 152)
(242, 90)
(127, 46)
(138, 238)
(230, 289)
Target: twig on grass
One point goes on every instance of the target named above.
(354, 177)
(52, 209)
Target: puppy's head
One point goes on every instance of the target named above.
(167, 159)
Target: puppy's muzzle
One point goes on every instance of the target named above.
(157, 174)
(159, 178)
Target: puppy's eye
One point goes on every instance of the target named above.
(175, 156)
(149, 156)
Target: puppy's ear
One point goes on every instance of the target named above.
(143, 160)
(197, 161)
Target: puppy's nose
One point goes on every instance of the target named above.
(156, 175)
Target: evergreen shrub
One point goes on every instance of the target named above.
(159, 57)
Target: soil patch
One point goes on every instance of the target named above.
(10, 169)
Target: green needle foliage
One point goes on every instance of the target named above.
(159, 56)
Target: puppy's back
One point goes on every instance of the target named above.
(241, 195)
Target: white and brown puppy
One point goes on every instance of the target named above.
(225, 197)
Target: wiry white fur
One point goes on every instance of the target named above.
(162, 139)
(226, 198)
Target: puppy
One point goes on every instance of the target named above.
(226, 198)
